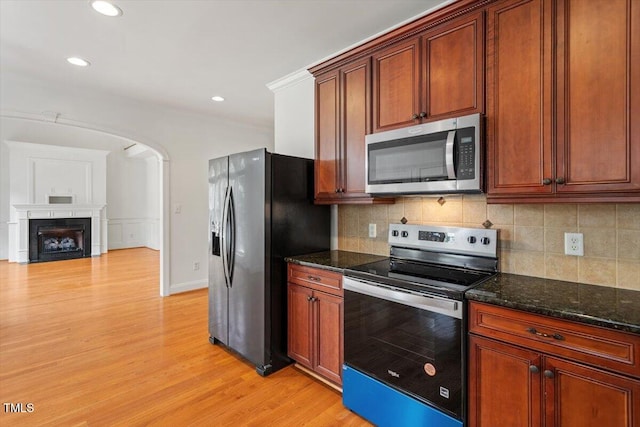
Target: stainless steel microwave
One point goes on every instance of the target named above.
(439, 157)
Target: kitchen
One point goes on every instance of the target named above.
(529, 232)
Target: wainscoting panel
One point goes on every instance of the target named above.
(132, 233)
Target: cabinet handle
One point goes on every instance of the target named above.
(534, 369)
(414, 117)
(337, 190)
(548, 373)
(309, 299)
(534, 331)
(422, 115)
(314, 278)
(546, 181)
(560, 180)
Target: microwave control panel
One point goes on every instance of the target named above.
(466, 154)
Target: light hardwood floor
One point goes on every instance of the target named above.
(90, 342)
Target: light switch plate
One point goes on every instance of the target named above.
(372, 231)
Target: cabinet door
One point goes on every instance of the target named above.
(577, 395)
(356, 123)
(454, 64)
(396, 86)
(519, 103)
(504, 385)
(328, 332)
(598, 96)
(300, 340)
(327, 136)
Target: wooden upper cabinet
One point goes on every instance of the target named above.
(598, 96)
(569, 133)
(396, 86)
(518, 118)
(327, 137)
(436, 75)
(343, 118)
(356, 123)
(454, 68)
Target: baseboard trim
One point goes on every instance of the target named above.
(187, 286)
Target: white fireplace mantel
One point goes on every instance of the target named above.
(25, 212)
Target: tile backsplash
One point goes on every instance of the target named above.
(531, 235)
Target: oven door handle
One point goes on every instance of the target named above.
(421, 301)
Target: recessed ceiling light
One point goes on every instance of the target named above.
(106, 8)
(217, 98)
(78, 61)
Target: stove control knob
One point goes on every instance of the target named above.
(405, 234)
(485, 240)
(471, 239)
(395, 233)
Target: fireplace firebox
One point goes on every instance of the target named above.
(59, 238)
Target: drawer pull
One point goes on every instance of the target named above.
(534, 331)
(314, 278)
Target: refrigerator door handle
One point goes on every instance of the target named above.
(231, 257)
(224, 236)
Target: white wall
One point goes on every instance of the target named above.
(187, 139)
(132, 200)
(4, 200)
(37, 171)
(294, 115)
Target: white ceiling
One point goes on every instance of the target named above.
(180, 53)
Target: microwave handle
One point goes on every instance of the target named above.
(451, 170)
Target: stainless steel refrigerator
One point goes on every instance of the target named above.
(260, 210)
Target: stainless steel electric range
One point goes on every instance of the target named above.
(405, 325)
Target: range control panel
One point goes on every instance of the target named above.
(471, 241)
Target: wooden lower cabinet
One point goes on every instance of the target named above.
(315, 331)
(502, 389)
(517, 386)
(578, 395)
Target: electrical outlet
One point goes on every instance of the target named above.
(573, 244)
(372, 231)
(196, 266)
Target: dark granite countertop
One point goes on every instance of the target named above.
(595, 305)
(336, 261)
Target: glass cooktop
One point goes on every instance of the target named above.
(420, 277)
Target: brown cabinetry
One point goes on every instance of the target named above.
(315, 318)
(560, 104)
(435, 75)
(530, 370)
(343, 118)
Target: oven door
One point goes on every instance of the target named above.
(409, 341)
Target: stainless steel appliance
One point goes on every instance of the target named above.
(438, 157)
(260, 210)
(405, 325)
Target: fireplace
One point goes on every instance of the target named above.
(59, 238)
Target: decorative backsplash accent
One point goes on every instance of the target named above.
(531, 235)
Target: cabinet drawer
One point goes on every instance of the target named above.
(618, 351)
(315, 278)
